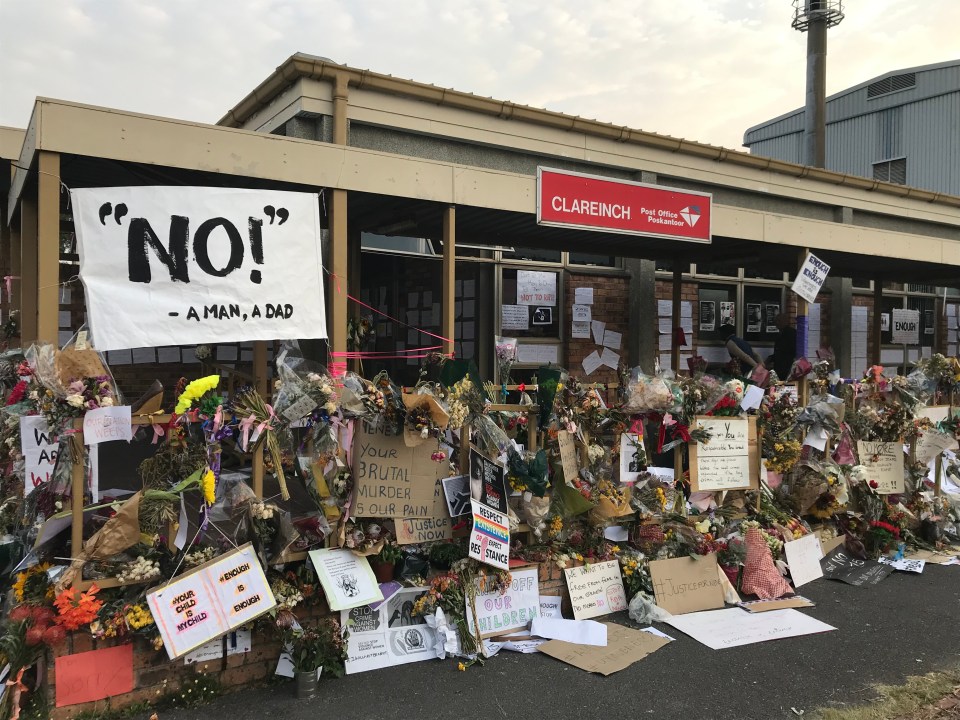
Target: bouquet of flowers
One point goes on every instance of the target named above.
(506, 351)
(360, 398)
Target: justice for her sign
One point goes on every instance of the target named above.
(185, 265)
(210, 601)
(590, 202)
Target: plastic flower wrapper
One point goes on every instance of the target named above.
(530, 474)
(493, 440)
(643, 610)
(550, 381)
(360, 398)
(304, 387)
(393, 408)
(651, 393)
(56, 368)
(506, 351)
(426, 416)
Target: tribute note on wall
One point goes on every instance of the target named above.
(884, 464)
(729, 459)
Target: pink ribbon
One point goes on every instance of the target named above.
(158, 432)
(636, 427)
(217, 419)
(8, 281)
(245, 426)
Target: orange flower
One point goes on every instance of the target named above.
(77, 610)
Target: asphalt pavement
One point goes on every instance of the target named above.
(906, 625)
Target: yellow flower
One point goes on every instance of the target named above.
(461, 667)
(194, 391)
(208, 484)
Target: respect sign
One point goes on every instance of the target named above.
(184, 265)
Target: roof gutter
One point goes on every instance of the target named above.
(304, 66)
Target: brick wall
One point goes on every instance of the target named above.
(611, 305)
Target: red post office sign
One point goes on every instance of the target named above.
(590, 202)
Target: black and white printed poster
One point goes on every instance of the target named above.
(772, 312)
(754, 317)
(708, 317)
(488, 483)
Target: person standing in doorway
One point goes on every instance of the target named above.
(785, 347)
(740, 349)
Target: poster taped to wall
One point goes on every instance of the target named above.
(185, 265)
(707, 315)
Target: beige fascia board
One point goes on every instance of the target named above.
(305, 96)
(25, 159)
(11, 142)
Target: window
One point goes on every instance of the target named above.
(532, 254)
(525, 320)
(579, 258)
(892, 171)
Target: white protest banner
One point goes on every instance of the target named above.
(210, 601)
(727, 461)
(513, 610)
(346, 578)
(596, 589)
(906, 327)
(884, 464)
(490, 536)
(185, 265)
(719, 629)
(39, 452)
(810, 278)
(388, 635)
(536, 288)
(107, 423)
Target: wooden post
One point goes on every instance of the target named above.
(448, 301)
(677, 294)
(28, 269)
(803, 309)
(337, 282)
(260, 383)
(76, 493)
(48, 248)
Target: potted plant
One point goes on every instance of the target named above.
(313, 648)
(385, 562)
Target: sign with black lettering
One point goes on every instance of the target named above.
(388, 634)
(841, 565)
(210, 600)
(906, 327)
(39, 450)
(595, 589)
(184, 265)
(730, 459)
(489, 540)
(687, 584)
(884, 465)
(813, 273)
(393, 480)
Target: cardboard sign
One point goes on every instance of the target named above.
(490, 536)
(568, 456)
(106, 424)
(39, 451)
(803, 557)
(95, 675)
(759, 606)
(393, 480)
(488, 482)
(813, 273)
(906, 327)
(595, 589)
(840, 565)
(536, 288)
(346, 578)
(884, 464)
(514, 610)
(190, 265)
(390, 635)
(720, 629)
(624, 647)
(210, 600)
(456, 491)
(683, 585)
(730, 460)
(435, 527)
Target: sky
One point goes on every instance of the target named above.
(704, 70)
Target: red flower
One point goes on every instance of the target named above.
(34, 636)
(43, 616)
(874, 484)
(16, 395)
(522, 387)
(21, 613)
(54, 635)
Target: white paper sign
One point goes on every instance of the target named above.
(580, 330)
(906, 327)
(581, 314)
(612, 339)
(723, 462)
(106, 424)
(39, 453)
(191, 265)
(347, 579)
(550, 606)
(514, 317)
(536, 288)
(591, 362)
(238, 642)
(609, 358)
(904, 565)
(803, 557)
(390, 635)
(752, 397)
(884, 464)
(583, 296)
(208, 602)
(813, 273)
(596, 589)
(514, 610)
(719, 629)
(580, 632)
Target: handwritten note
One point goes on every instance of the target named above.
(884, 464)
(596, 589)
(536, 288)
(95, 675)
(581, 313)
(840, 565)
(723, 462)
(803, 557)
(683, 585)
(39, 451)
(106, 424)
(514, 317)
(568, 455)
(591, 362)
(719, 629)
(583, 296)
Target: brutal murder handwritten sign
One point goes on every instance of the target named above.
(813, 273)
(210, 601)
(394, 480)
(183, 265)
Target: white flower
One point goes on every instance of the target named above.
(106, 401)
(75, 400)
(330, 407)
